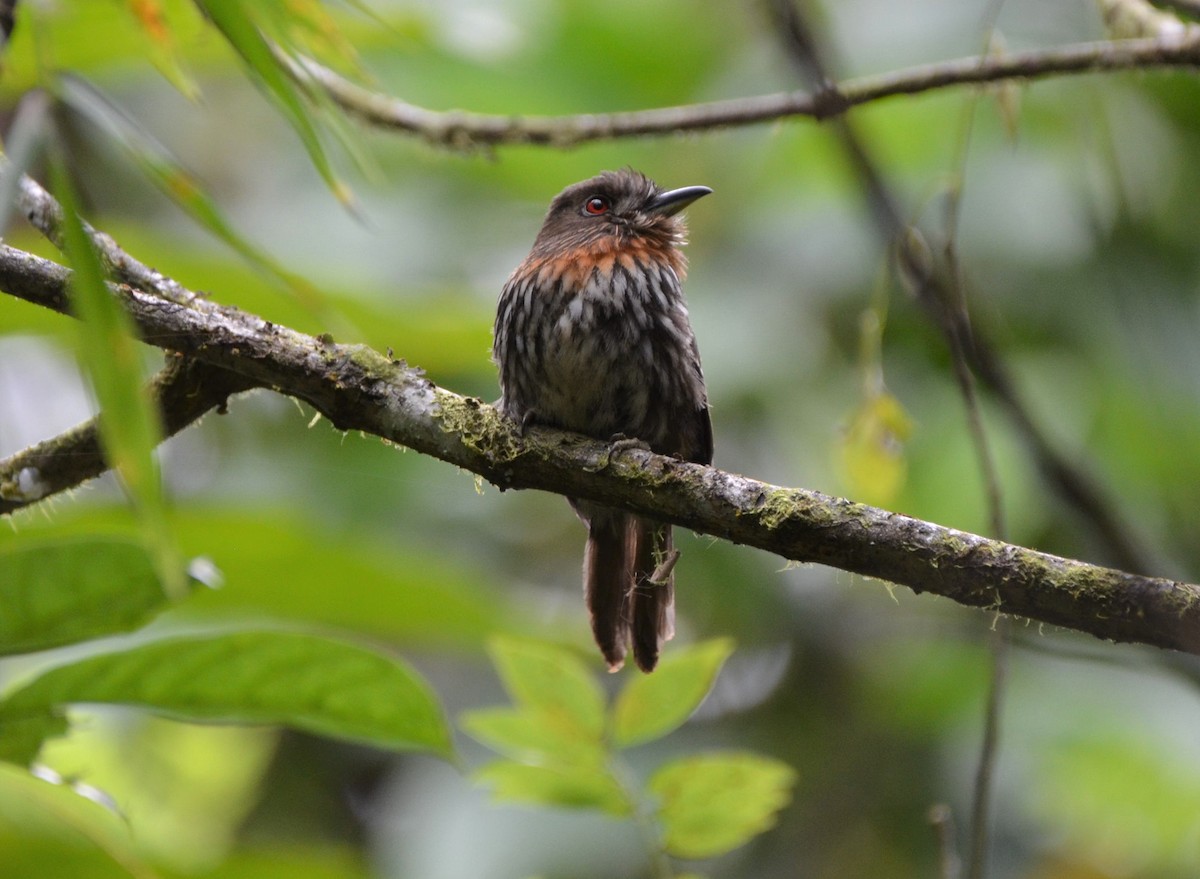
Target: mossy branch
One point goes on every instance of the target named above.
(357, 388)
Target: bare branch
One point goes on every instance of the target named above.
(464, 130)
(185, 390)
(45, 214)
(357, 388)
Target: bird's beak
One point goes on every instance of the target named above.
(675, 200)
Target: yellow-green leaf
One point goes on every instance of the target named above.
(553, 682)
(711, 804)
(651, 706)
(871, 452)
(51, 830)
(531, 737)
(575, 787)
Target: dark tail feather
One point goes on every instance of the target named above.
(653, 610)
(607, 582)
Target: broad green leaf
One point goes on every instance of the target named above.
(21, 738)
(57, 592)
(235, 19)
(530, 737)
(575, 787)
(711, 804)
(404, 591)
(308, 682)
(187, 788)
(298, 859)
(553, 682)
(653, 705)
(50, 830)
(130, 427)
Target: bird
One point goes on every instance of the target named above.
(592, 335)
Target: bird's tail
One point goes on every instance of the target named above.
(652, 617)
(608, 581)
(625, 600)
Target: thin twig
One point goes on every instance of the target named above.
(999, 645)
(941, 819)
(8, 12)
(465, 130)
(944, 298)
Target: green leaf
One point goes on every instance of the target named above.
(303, 681)
(186, 787)
(871, 451)
(129, 423)
(529, 737)
(553, 682)
(575, 787)
(21, 738)
(50, 830)
(235, 19)
(161, 45)
(57, 592)
(653, 705)
(159, 166)
(714, 803)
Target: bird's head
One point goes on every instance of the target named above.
(615, 209)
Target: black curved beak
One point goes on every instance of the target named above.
(675, 200)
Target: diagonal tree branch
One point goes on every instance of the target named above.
(185, 390)
(464, 130)
(357, 388)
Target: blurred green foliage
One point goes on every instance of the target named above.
(1078, 237)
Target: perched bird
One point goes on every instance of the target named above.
(592, 335)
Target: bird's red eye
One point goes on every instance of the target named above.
(596, 205)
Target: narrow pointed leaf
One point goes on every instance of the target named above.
(235, 21)
(59, 592)
(157, 163)
(573, 787)
(130, 427)
(553, 682)
(160, 41)
(312, 683)
(653, 705)
(714, 803)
